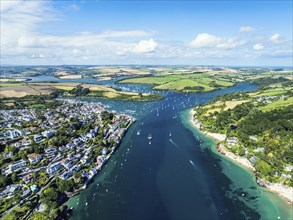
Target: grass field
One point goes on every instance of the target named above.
(271, 92)
(278, 104)
(67, 88)
(184, 84)
(219, 106)
(101, 91)
(188, 82)
(12, 80)
(10, 84)
(233, 104)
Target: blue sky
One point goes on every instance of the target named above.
(147, 32)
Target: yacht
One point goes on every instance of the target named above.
(150, 136)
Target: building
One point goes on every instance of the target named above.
(93, 171)
(48, 134)
(27, 178)
(232, 141)
(100, 159)
(67, 163)
(34, 188)
(17, 165)
(34, 158)
(104, 151)
(66, 175)
(38, 138)
(53, 168)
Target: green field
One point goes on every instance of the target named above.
(10, 84)
(271, 92)
(281, 103)
(196, 82)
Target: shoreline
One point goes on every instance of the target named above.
(285, 192)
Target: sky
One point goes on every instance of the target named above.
(222, 33)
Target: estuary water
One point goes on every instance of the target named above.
(177, 174)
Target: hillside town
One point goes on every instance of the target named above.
(65, 146)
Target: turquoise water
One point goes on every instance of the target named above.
(178, 176)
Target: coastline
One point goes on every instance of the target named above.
(283, 191)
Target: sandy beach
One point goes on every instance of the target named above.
(285, 192)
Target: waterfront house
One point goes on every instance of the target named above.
(104, 151)
(93, 171)
(100, 159)
(232, 141)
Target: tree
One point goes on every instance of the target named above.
(49, 194)
(14, 177)
(63, 185)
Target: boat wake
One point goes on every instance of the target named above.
(191, 162)
(176, 145)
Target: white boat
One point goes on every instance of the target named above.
(150, 136)
(150, 142)
(138, 132)
(170, 134)
(86, 204)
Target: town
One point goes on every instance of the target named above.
(62, 148)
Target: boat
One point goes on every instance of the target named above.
(170, 134)
(150, 142)
(150, 136)
(86, 204)
(138, 132)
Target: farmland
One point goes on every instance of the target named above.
(18, 90)
(194, 82)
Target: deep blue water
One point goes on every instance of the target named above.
(177, 176)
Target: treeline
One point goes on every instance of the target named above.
(273, 130)
(265, 81)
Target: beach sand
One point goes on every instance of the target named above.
(285, 192)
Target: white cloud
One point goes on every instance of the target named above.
(206, 40)
(258, 46)
(276, 38)
(145, 46)
(245, 29)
